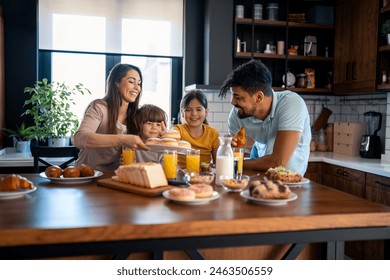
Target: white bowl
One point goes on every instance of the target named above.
(199, 177)
(234, 184)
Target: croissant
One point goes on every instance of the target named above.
(241, 138)
(15, 182)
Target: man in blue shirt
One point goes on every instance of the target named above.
(278, 120)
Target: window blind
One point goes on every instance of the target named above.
(141, 27)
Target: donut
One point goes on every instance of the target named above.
(184, 144)
(202, 190)
(71, 172)
(86, 170)
(169, 142)
(182, 194)
(172, 133)
(53, 171)
(153, 141)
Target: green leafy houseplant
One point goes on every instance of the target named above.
(21, 133)
(50, 107)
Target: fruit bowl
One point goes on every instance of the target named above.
(234, 184)
(199, 177)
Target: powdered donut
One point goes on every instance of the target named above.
(182, 194)
(202, 190)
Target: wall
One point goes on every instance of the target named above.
(2, 116)
(344, 109)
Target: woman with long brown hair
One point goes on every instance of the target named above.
(103, 130)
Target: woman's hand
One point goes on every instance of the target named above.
(134, 142)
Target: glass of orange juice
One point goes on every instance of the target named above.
(193, 160)
(238, 154)
(128, 155)
(170, 164)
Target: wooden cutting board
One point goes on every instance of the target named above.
(113, 184)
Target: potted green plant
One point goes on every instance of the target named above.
(50, 106)
(22, 136)
(386, 31)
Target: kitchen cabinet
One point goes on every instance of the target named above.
(378, 188)
(312, 171)
(355, 52)
(383, 51)
(253, 35)
(344, 179)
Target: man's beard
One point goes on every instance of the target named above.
(242, 115)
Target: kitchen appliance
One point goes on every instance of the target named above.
(370, 146)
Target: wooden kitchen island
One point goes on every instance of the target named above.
(86, 219)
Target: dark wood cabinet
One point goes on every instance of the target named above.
(251, 37)
(383, 51)
(344, 179)
(356, 29)
(312, 171)
(378, 188)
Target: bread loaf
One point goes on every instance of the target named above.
(143, 174)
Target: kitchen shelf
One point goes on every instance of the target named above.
(385, 48)
(258, 33)
(383, 87)
(305, 90)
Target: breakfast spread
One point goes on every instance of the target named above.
(15, 182)
(269, 189)
(83, 170)
(142, 174)
(282, 174)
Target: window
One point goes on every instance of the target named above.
(81, 40)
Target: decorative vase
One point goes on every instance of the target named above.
(388, 38)
(23, 146)
(58, 142)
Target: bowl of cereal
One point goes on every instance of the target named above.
(199, 177)
(235, 183)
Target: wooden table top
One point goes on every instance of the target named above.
(57, 213)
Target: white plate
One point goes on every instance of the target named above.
(74, 180)
(161, 148)
(303, 181)
(263, 201)
(196, 201)
(16, 194)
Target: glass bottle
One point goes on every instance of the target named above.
(225, 160)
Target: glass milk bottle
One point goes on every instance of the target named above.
(225, 159)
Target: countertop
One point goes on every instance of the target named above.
(374, 166)
(10, 158)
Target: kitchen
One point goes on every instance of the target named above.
(207, 75)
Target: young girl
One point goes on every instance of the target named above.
(195, 128)
(149, 122)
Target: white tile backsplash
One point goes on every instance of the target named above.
(344, 109)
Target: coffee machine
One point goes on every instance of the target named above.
(370, 146)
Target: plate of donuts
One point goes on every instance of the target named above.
(160, 144)
(72, 180)
(188, 197)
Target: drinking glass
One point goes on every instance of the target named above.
(193, 160)
(238, 154)
(170, 164)
(128, 155)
